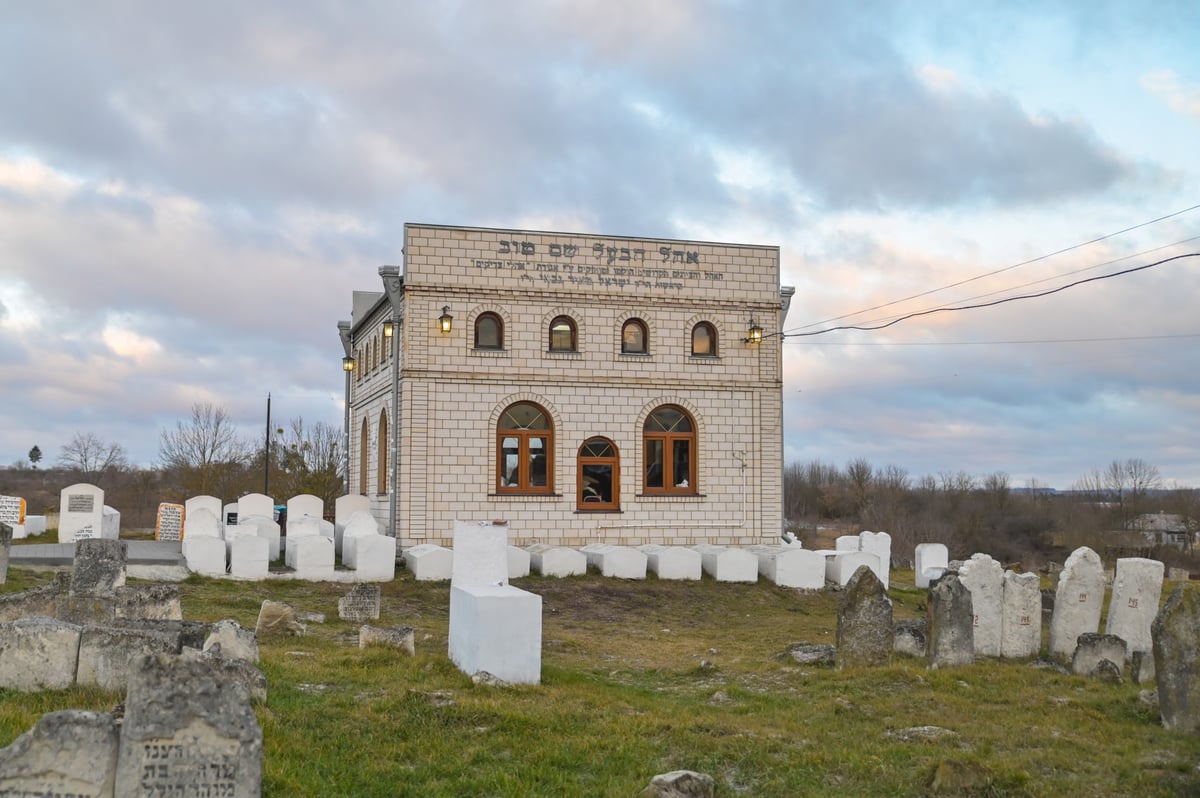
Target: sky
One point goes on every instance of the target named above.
(189, 192)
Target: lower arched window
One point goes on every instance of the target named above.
(364, 448)
(669, 439)
(599, 475)
(704, 340)
(633, 337)
(489, 331)
(381, 476)
(524, 450)
(563, 335)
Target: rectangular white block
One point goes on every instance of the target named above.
(727, 564)
(930, 562)
(619, 562)
(480, 554)
(841, 565)
(429, 562)
(672, 562)
(791, 566)
(558, 561)
(376, 558)
(249, 557)
(497, 629)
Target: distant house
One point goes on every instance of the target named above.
(1164, 529)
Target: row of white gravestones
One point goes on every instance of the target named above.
(878, 544)
(1007, 608)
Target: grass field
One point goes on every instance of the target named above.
(640, 678)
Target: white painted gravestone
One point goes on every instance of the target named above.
(879, 544)
(1137, 589)
(110, 523)
(305, 504)
(256, 504)
(480, 555)
(205, 502)
(80, 513)
(201, 522)
(618, 562)
(344, 508)
(984, 577)
(726, 564)
(169, 523)
(1021, 621)
(931, 561)
(1077, 601)
(550, 560)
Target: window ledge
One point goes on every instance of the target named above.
(635, 355)
(575, 355)
(486, 352)
(706, 359)
(672, 496)
(524, 497)
(617, 511)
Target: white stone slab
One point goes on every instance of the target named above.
(791, 566)
(312, 557)
(376, 558)
(344, 508)
(498, 630)
(304, 526)
(202, 502)
(673, 562)
(35, 525)
(931, 560)
(726, 564)
(480, 554)
(1021, 616)
(558, 561)
(1136, 591)
(256, 504)
(249, 557)
(518, 562)
(618, 562)
(267, 529)
(305, 504)
(429, 562)
(205, 554)
(1078, 601)
(110, 523)
(201, 523)
(879, 544)
(848, 543)
(80, 513)
(984, 578)
(841, 565)
(360, 524)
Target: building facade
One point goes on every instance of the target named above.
(582, 388)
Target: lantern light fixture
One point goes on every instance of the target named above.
(445, 321)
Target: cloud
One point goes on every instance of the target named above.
(1181, 96)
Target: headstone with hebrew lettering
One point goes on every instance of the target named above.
(80, 513)
(1021, 616)
(1136, 591)
(12, 512)
(1078, 601)
(360, 604)
(169, 523)
(984, 577)
(188, 730)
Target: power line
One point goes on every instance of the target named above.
(1109, 339)
(989, 304)
(999, 271)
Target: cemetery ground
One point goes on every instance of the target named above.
(645, 677)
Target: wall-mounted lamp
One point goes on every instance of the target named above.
(347, 363)
(754, 335)
(445, 321)
(388, 329)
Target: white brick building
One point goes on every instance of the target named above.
(589, 388)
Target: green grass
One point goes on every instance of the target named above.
(625, 696)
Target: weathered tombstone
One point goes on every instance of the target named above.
(80, 513)
(984, 577)
(344, 509)
(951, 626)
(1137, 589)
(67, 753)
(360, 604)
(1176, 636)
(910, 638)
(277, 619)
(6, 537)
(681, 784)
(401, 637)
(188, 730)
(234, 640)
(550, 560)
(38, 654)
(107, 655)
(617, 562)
(480, 555)
(256, 504)
(864, 623)
(1077, 602)
(99, 567)
(931, 560)
(1021, 622)
(677, 562)
(1141, 667)
(848, 543)
(168, 525)
(1092, 649)
(879, 544)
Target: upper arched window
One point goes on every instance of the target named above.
(524, 450)
(669, 438)
(704, 340)
(634, 338)
(563, 336)
(364, 448)
(381, 460)
(489, 331)
(599, 476)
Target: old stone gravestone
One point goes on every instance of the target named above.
(360, 604)
(864, 623)
(1137, 589)
(188, 730)
(99, 567)
(1176, 636)
(6, 536)
(1021, 622)
(951, 624)
(68, 753)
(80, 513)
(1077, 602)
(169, 523)
(984, 577)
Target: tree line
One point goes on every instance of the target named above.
(202, 454)
(1030, 525)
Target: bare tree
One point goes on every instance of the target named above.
(204, 448)
(309, 461)
(92, 456)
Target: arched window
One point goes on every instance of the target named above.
(599, 475)
(381, 472)
(360, 364)
(704, 340)
(669, 438)
(562, 334)
(524, 450)
(489, 331)
(364, 447)
(634, 337)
